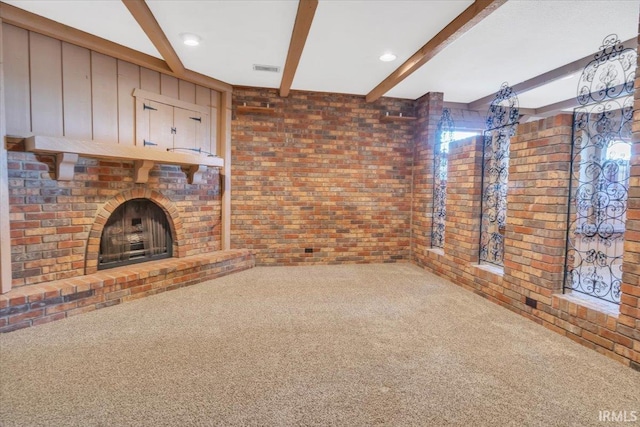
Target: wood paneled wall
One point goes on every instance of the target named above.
(5, 231)
(55, 88)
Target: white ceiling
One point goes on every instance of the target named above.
(235, 35)
(553, 92)
(347, 38)
(520, 40)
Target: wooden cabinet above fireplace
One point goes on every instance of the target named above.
(168, 131)
(172, 125)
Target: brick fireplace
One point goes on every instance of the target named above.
(85, 134)
(56, 227)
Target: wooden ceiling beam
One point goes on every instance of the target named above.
(571, 103)
(471, 16)
(143, 15)
(455, 105)
(206, 81)
(304, 18)
(545, 78)
(551, 109)
(38, 24)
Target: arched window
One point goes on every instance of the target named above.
(502, 120)
(601, 152)
(445, 135)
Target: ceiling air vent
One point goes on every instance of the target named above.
(267, 68)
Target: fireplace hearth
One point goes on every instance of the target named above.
(137, 231)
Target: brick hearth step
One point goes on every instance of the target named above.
(42, 303)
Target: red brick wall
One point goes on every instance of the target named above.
(51, 220)
(535, 240)
(464, 180)
(535, 248)
(629, 321)
(322, 171)
(429, 111)
(456, 262)
(539, 160)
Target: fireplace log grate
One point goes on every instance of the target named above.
(137, 231)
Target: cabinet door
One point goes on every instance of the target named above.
(155, 121)
(203, 134)
(160, 125)
(185, 122)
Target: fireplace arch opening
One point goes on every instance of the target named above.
(137, 231)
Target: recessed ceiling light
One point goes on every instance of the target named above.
(190, 39)
(388, 57)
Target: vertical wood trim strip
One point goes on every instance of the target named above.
(128, 79)
(16, 72)
(45, 56)
(225, 153)
(203, 97)
(169, 86)
(187, 91)
(104, 87)
(5, 236)
(215, 120)
(149, 80)
(76, 91)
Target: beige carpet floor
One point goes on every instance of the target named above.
(351, 345)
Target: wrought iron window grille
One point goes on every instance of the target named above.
(501, 124)
(445, 135)
(599, 184)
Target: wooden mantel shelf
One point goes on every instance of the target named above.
(255, 109)
(397, 118)
(67, 152)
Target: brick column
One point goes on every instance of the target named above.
(535, 234)
(629, 319)
(428, 111)
(462, 228)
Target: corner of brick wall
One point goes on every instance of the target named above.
(428, 112)
(629, 320)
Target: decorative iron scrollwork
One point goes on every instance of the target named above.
(610, 75)
(600, 172)
(445, 136)
(504, 109)
(501, 122)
